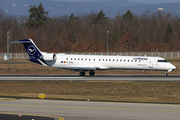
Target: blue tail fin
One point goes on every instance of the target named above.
(30, 47)
(32, 50)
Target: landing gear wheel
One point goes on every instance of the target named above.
(82, 73)
(165, 73)
(91, 73)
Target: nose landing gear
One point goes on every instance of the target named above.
(165, 73)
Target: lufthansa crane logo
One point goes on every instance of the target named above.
(31, 50)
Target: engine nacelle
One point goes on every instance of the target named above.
(48, 57)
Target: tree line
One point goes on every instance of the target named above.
(87, 32)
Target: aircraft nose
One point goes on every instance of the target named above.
(173, 67)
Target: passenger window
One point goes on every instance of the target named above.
(121, 60)
(102, 59)
(106, 59)
(128, 60)
(94, 59)
(162, 61)
(139, 60)
(124, 60)
(66, 58)
(117, 60)
(113, 60)
(78, 58)
(86, 59)
(89, 59)
(109, 59)
(99, 59)
(71, 58)
(131, 60)
(74, 58)
(82, 59)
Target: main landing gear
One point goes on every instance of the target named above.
(82, 73)
(91, 73)
(165, 73)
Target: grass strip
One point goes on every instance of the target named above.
(129, 91)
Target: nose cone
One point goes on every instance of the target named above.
(173, 67)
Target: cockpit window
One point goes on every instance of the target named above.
(162, 61)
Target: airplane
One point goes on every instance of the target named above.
(91, 63)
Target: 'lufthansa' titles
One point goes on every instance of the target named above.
(138, 58)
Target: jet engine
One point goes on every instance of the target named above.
(48, 57)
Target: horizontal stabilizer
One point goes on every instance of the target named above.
(21, 41)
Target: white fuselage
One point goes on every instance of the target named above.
(102, 62)
(91, 63)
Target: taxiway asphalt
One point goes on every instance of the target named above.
(89, 78)
(84, 110)
(23, 117)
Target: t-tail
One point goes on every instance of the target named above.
(35, 55)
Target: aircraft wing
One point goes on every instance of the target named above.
(85, 67)
(79, 68)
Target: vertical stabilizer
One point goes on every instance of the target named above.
(30, 47)
(32, 50)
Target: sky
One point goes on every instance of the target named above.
(155, 1)
(143, 1)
